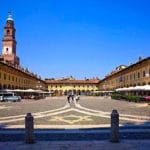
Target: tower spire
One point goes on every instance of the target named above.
(10, 18)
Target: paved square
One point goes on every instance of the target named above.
(57, 112)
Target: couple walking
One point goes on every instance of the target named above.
(72, 98)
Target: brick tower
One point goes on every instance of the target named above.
(9, 43)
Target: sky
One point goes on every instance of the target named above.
(79, 38)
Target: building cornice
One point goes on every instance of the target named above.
(125, 69)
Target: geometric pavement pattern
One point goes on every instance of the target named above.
(57, 115)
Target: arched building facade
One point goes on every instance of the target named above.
(66, 86)
(137, 74)
(12, 77)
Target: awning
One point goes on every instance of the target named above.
(136, 88)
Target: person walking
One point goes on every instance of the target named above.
(68, 98)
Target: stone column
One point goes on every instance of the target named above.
(114, 134)
(29, 129)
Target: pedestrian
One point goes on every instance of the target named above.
(77, 98)
(68, 98)
(72, 96)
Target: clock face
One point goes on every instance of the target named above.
(7, 50)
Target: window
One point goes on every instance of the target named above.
(134, 76)
(130, 77)
(4, 76)
(143, 73)
(8, 32)
(127, 77)
(120, 78)
(138, 75)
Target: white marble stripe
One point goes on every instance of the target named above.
(17, 116)
(108, 116)
(37, 116)
(108, 113)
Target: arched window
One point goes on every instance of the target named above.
(8, 32)
(144, 83)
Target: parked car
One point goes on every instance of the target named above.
(12, 98)
(147, 98)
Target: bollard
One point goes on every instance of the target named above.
(29, 129)
(114, 135)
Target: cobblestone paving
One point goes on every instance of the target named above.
(89, 111)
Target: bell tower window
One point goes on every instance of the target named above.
(8, 32)
(7, 49)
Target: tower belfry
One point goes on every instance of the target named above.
(9, 43)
